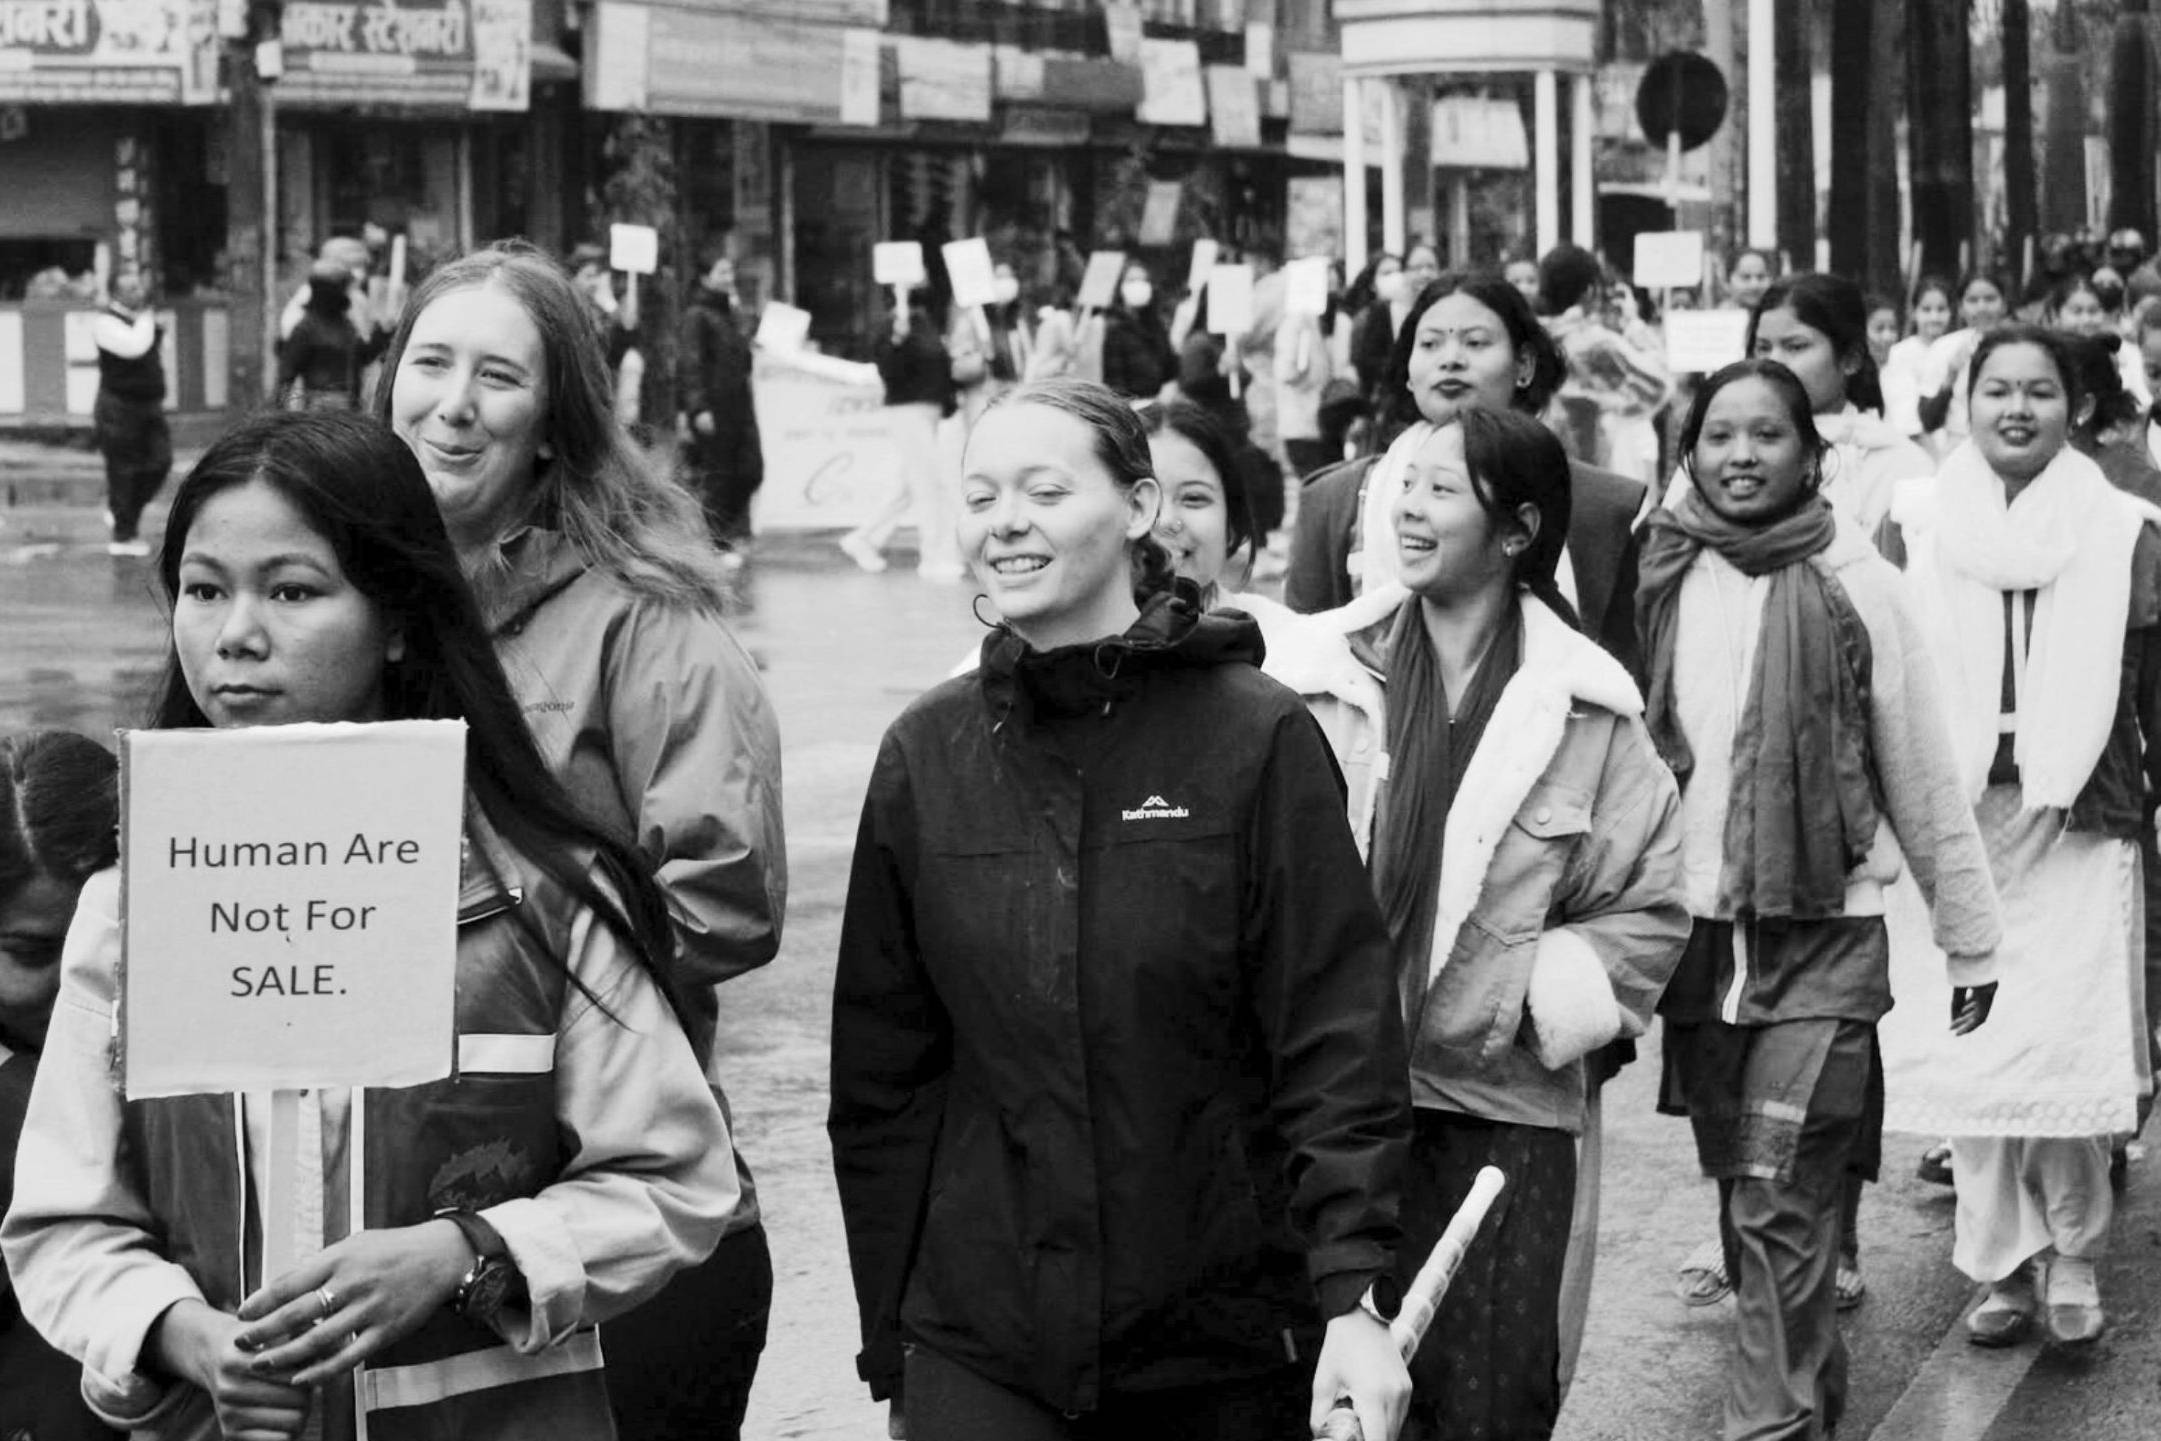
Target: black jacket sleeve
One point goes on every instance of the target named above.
(697, 362)
(1319, 578)
(1325, 994)
(892, 1054)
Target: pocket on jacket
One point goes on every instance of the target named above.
(1479, 994)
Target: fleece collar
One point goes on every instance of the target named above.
(1560, 668)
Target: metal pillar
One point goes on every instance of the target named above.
(1763, 127)
(1583, 200)
(1546, 158)
(1354, 178)
(1393, 161)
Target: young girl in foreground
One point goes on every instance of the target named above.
(311, 580)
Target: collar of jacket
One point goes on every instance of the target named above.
(531, 565)
(489, 881)
(1560, 667)
(1172, 632)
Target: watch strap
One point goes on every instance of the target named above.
(486, 1241)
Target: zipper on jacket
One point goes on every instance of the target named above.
(1729, 1010)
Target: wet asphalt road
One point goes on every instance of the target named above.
(81, 642)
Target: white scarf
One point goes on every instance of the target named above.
(2069, 536)
(1377, 512)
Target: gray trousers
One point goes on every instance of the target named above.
(1781, 1240)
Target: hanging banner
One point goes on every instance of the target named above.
(1159, 212)
(502, 54)
(1700, 341)
(1171, 87)
(1313, 215)
(828, 440)
(1234, 107)
(110, 52)
(860, 57)
(290, 906)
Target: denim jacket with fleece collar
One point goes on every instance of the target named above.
(1560, 917)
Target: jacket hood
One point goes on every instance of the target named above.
(1173, 632)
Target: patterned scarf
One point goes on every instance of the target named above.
(1802, 813)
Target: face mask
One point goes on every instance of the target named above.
(1389, 287)
(1004, 290)
(1137, 294)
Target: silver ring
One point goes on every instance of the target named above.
(330, 1302)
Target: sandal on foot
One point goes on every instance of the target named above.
(2006, 1315)
(1935, 1166)
(1852, 1286)
(1702, 1280)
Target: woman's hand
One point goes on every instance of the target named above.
(1970, 1006)
(201, 1346)
(896, 1423)
(1359, 1360)
(332, 1312)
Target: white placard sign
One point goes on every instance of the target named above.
(782, 327)
(1669, 259)
(1099, 282)
(968, 269)
(897, 262)
(290, 906)
(634, 249)
(1205, 253)
(1700, 341)
(1305, 286)
(1230, 299)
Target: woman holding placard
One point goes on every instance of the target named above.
(59, 823)
(604, 597)
(1121, 1151)
(311, 580)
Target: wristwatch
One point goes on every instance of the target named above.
(494, 1280)
(1383, 1300)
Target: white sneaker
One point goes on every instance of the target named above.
(127, 547)
(859, 550)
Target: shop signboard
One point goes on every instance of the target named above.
(108, 52)
(708, 63)
(943, 80)
(861, 53)
(419, 53)
(1101, 87)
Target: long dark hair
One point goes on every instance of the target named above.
(1780, 379)
(1200, 429)
(59, 809)
(1514, 461)
(359, 488)
(1834, 306)
(2100, 380)
(1527, 335)
(1120, 442)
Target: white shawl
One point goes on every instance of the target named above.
(2069, 536)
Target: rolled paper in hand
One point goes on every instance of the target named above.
(1424, 1297)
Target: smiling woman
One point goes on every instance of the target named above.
(1205, 1017)
(1790, 693)
(2039, 591)
(603, 592)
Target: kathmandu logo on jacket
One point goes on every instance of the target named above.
(1155, 808)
